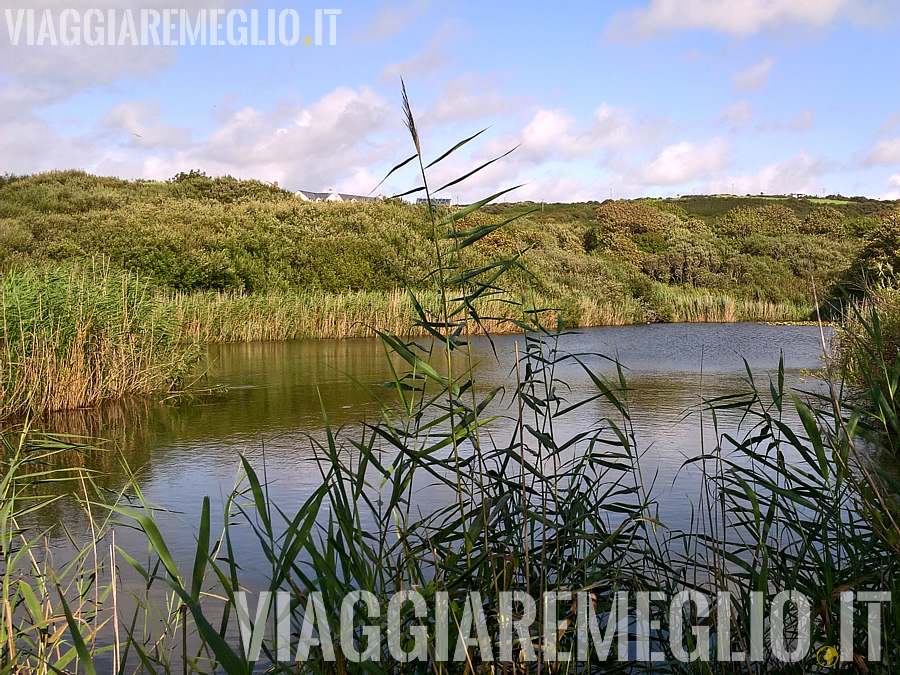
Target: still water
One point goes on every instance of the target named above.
(266, 404)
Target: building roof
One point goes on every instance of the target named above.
(332, 196)
(355, 198)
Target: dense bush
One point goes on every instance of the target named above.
(740, 222)
(635, 217)
(881, 254)
(194, 232)
(779, 219)
(824, 220)
(689, 258)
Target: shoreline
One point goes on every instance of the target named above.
(225, 318)
(75, 338)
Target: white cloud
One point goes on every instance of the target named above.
(560, 189)
(44, 76)
(754, 77)
(139, 120)
(801, 173)
(551, 132)
(738, 114)
(740, 17)
(884, 152)
(432, 58)
(556, 134)
(30, 145)
(890, 125)
(33, 78)
(893, 188)
(327, 143)
(553, 146)
(307, 147)
(684, 162)
(805, 121)
(391, 19)
(468, 97)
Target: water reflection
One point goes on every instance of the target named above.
(185, 449)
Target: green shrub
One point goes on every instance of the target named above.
(651, 242)
(881, 253)
(635, 217)
(825, 220)
(690, 258)
(740, 222)
(779, 219)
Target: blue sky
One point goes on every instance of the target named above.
(637, 98)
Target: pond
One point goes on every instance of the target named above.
(264, 403)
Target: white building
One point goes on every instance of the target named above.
(332, 196)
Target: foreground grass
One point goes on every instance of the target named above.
(869, 349)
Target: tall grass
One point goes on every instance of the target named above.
(869, 348)
(684, 305)
(76, 336)
(52, 615)
(225, 317)
(229, 317)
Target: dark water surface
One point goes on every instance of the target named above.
(184, 450)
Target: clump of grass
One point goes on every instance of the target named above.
(869, 350)
(52, 616)
(674, 304)
(75, 336)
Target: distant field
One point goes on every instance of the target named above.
(814, 200)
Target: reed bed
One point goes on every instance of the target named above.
(868, 348)
(75, 336)
(691, 306)
(230, 317)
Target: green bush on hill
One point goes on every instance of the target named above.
(196, 233)
(881, 255)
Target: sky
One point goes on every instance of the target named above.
(599, 99)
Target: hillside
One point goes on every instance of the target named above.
(195, 233)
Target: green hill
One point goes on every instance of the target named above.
(195, 233)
